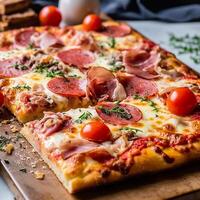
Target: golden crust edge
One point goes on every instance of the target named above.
(149, 161)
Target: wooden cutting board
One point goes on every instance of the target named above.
(24, 185)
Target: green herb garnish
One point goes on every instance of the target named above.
(86, 115)
(131, 130)
(30, 46)
(54, 73)
(22, 87)
(43, 68)
(150, 102)
(187, 45)
(116, 64)
(3, 141)
(116, 68)
(112, 42)
(19, 66)
(119, 111)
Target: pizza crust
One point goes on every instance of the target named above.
(147, 162)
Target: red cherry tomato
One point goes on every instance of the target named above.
(1, 99)
(50, 16)
(92, 23)
(181, 101)
(96, 131)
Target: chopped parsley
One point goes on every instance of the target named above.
(54, 73)
(86, 115)
(43, 68)
(131, 133)
(112, 42)
(116, 64)
(119, 111)
(3, 141)
(116, 68)
(22, 87)
(187, 44)
(150, 102)
(131, 130)
(19, 66)
(30, 46)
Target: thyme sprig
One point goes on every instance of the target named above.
(3, 141)
(86, 115)
(20, 66)
(116, 64)
(44, 68)
(22, 87)
(131, 130)
(186, 45)
(112, 42)
(119, 111)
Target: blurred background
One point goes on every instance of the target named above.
(162, 10)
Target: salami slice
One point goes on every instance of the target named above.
(67, 87)
(23, 38)
(135, 85)
(12, 68)
(118, 114)
(76, 57)
(116, 30)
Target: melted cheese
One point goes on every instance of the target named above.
(15, 53)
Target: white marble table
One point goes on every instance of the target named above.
(158, 32)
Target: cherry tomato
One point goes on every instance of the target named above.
(96, 131)
(50, 16)
(181, 101)
(1, 99)
(92, 23)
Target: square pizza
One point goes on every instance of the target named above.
(100, 105)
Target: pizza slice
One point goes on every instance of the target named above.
(46, 68)
(50, 86)
(90, 146)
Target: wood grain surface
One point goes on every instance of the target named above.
(163, 185)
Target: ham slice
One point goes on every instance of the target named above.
(102, 84)
(141, 63)
(51, 123)
(76, 146)
(80, 146)
(46, 40)
(120, 30)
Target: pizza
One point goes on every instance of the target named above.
(100, 105)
